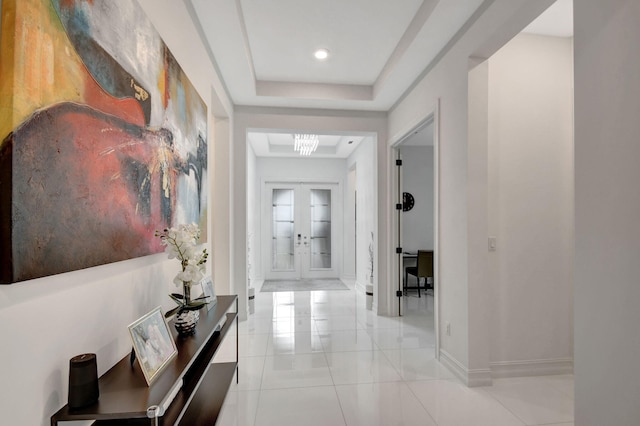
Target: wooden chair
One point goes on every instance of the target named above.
(423, 268)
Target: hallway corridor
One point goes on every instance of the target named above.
(320, 358)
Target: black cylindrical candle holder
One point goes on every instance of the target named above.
(83, 381)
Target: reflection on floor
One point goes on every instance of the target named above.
(305, 284)
(321, 358)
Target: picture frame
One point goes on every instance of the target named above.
(209, 291)
(153, 344)
(142, 171)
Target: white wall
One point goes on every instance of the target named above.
(478, 220)
(531, 205)
(45, 322)
(363, 159)
(417, 179)
(220, 211)
(349, 271)
(305, 169)
(254, 257)
(607, 162)
(447, 83)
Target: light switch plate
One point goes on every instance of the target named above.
(493, 243)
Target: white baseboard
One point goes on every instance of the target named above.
(257, 284)
(360, 287)
(479, 377)
(471, 378)
(537, 367)
(459, 370)
(505, 369)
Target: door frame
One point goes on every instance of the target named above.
(395, 260)
(350, 242)
(337, 220)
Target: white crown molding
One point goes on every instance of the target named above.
(245, 40)
(352, 92)
(419, 20)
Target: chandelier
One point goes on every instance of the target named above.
(305, 144)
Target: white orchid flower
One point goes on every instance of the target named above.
(180, 243)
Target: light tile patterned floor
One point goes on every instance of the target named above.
(320, 358)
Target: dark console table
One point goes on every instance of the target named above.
(125, 397)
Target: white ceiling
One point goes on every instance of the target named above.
(557, 20)
(264, 49)
(264, 52)
(360, 38)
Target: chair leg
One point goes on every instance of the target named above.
(418, 278)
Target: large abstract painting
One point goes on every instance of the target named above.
(103, 139)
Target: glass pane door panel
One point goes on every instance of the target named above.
(283, 197)
(283, 211)
(322, 212)
(321, 245)
(320, 228)
(282, 229)
(321, 197)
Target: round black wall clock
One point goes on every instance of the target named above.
(407, 201)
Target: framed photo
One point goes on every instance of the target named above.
(209, 292)
(153, 343)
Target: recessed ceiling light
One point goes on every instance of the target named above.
(321, 54)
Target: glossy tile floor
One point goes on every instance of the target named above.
(321, 358)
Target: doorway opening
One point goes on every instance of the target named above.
(310, 217)
(416, 232)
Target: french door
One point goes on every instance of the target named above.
(301, 243)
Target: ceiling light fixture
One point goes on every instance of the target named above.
(321, 54)
(305, 143)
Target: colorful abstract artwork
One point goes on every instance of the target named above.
(103, 139)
